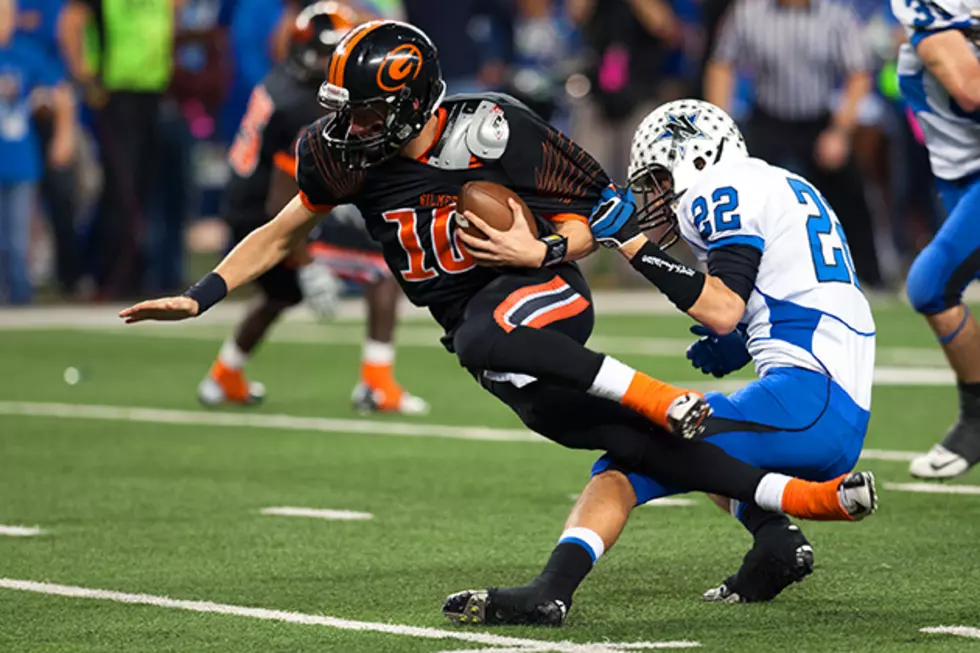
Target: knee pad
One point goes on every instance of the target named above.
(927, 285)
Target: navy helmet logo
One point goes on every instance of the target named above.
(681, 128)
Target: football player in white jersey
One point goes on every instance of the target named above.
(939, 75)
(780, 292)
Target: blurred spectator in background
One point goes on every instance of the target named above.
(472, 38)
(544, 38)
(256, 37)
(27, 76)
(38, 20)
(628, 43)
(188, 112)
(799, 52)
(122, 54)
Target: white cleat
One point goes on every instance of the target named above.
(368, 400)
(687, 414)
(211, 393)
(939, 463)
(857, 495)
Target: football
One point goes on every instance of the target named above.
(489, 201)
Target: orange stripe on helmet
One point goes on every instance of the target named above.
(344, 49)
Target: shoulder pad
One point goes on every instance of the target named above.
(489, 132)
(473, 129)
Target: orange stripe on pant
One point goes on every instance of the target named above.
(518, 296)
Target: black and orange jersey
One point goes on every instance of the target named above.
(408, 203)
(278, 111)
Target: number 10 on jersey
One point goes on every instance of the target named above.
(449, 256)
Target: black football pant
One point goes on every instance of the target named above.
(523, 338)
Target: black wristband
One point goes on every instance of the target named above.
(557, 248)
(207, 292)
(681, 284)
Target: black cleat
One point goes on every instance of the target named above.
(772, 565)
(476, 607)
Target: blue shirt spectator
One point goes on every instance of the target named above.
(38, 20)
(24, 67)
(251, 27)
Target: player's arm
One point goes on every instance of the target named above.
(716, 299)
(320, 286)
(518, 247)
(950, 58)
(258, 253)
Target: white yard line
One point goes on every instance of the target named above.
(663, 502)
(297, 423)
(20, 531)
(316, 513)
(263, 421)
(315, 620)
(933, 488)
(887, 454)
(960, 631)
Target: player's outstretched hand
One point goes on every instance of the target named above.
(168, 309)
(718, 355)
(516, 247)
(613, 221)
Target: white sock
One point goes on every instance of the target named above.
(613, 379)
(232, 356)
(378, 353)
(587, 538)
(769, 493)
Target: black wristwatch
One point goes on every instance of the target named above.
(557, 247)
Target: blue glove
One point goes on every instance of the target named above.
(613, 221)
(718, 355)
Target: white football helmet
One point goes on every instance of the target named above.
(674, 143)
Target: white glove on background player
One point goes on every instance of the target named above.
(321, 290)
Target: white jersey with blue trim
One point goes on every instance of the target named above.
(952, 134)
(807, 309)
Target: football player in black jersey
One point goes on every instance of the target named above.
(262, 181)
(393, 146)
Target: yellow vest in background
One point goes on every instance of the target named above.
(136, 53)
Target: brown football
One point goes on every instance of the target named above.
(489, 202)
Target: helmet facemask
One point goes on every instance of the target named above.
(369, 132)
(656, 203)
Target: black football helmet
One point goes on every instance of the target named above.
(317, 31)
(383, 85)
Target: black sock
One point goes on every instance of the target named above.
(567, 567)
(756, 520)
(969, 399)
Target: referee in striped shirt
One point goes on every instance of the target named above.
(799, 52)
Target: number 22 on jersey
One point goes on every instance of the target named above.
(449, 256)
(822, 227)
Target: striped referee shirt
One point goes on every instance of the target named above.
(798, 56)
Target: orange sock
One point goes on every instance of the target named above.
(817, 501)
(648, 396)
(381, 377)
(231, 381)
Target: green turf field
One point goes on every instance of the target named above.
(166, 503)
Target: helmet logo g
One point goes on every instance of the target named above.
(400, 65)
